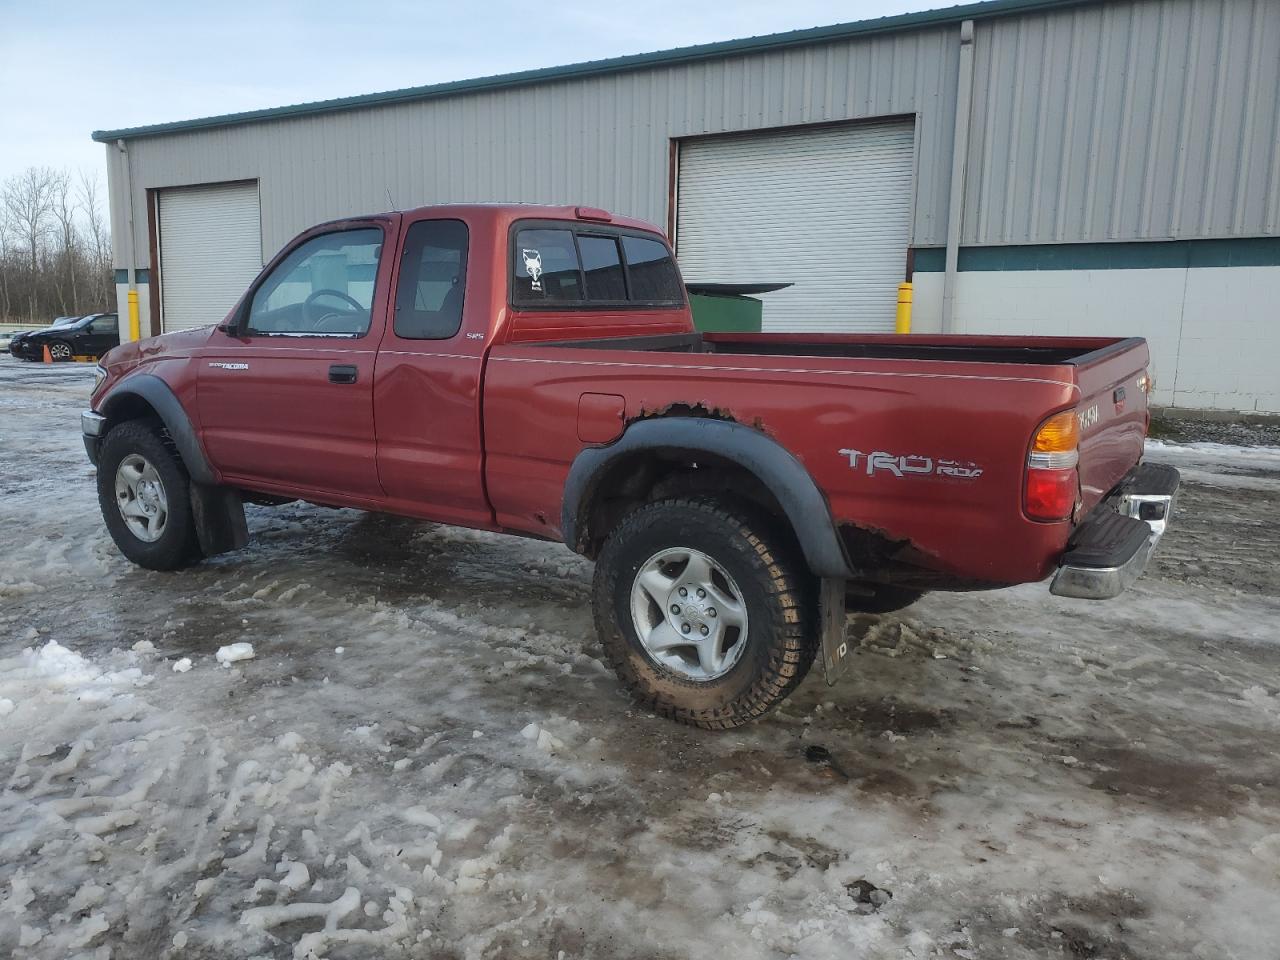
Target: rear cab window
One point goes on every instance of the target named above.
(570, 265)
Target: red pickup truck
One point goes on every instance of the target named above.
(535, 370)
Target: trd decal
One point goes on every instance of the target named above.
(911, 465)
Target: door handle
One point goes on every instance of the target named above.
(342, 373)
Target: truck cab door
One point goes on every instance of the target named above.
(427, 389)
(286, 395)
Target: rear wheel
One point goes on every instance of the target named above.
(703, 612)
(59, 351)
(144, 493)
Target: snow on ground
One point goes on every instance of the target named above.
(427, 758)
(1221, 464)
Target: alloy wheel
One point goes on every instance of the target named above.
(141, 498)
(689, 614)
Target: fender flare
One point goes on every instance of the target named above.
(162, 399)
(775, 466)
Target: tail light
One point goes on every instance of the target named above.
(1052, 481)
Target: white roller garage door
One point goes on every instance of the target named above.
(210, 251)
(827, 209)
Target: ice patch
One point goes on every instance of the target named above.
(182, 666)
(541, 738)
(289, 741)
(234, 652)
(6, 706)
(421, 817)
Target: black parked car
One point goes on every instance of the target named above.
(92, 336)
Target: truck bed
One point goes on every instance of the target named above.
(1047, 351)
(832, 400)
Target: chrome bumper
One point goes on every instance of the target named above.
(1109, 551)
(92, 424)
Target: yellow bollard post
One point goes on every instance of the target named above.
(135, 327)
(903, 320)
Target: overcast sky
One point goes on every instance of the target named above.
(68, 68)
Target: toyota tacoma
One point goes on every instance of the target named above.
(536, 371)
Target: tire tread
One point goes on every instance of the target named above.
(793, 644)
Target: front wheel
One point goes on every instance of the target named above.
(59, 351)
(703, 613)
(145, 496)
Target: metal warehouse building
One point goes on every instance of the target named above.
(1034, 166)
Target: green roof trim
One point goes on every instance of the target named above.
(593, 68)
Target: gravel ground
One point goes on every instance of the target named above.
(427, 758)
(1183, 430)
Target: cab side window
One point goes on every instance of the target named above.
(322, 288)
(433, 278)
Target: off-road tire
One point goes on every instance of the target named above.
(178, 545)
(885, 599)
(776, 587)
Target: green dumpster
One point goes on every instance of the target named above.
(728, 307)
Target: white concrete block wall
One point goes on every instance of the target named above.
(1213, 332)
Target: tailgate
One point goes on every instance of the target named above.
(1112, 413)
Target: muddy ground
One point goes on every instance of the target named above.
(1003, 775)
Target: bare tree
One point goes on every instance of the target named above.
(4, 264)
(55, 251)
(28, 200)
(62, 206)
(98, 240)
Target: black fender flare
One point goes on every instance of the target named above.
(770, 462)
(162, 399)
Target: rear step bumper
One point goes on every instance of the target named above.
(1111, 548)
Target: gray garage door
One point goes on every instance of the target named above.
(210, 251)
(827, 209)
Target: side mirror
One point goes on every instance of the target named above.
(231, 326)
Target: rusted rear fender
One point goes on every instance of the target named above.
(771, 463)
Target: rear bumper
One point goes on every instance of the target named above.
(1111, 548)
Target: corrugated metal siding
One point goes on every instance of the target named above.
(601, 141)
(1145, 120)
(1124, 120)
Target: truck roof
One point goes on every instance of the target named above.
(506, 213)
